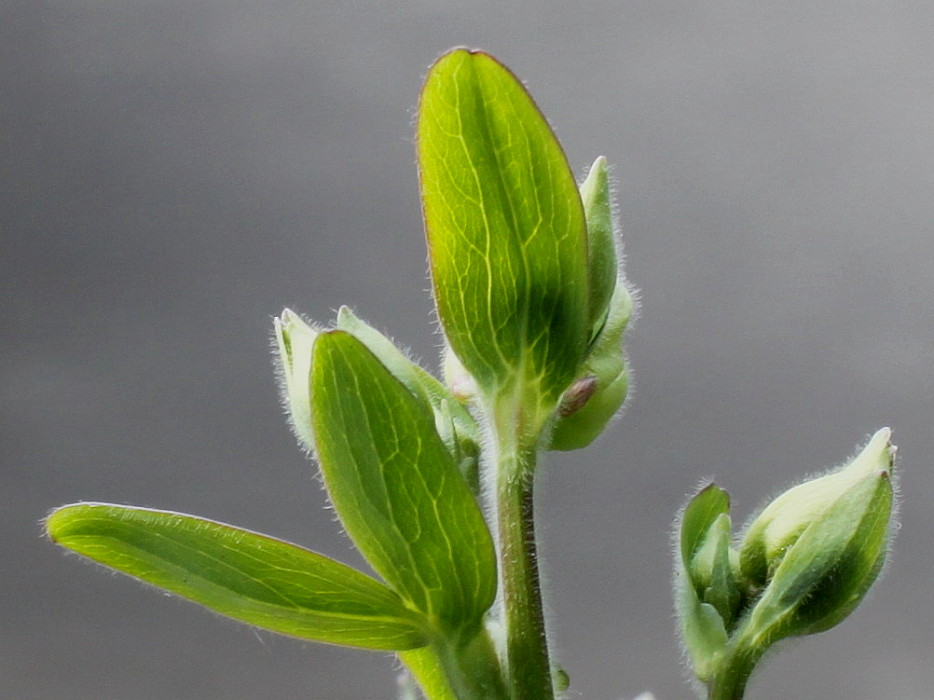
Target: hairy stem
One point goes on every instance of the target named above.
(529, 670)
(731, 678)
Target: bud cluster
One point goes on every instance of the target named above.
(801, 566)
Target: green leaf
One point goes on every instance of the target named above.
(506, 231)
(713, 571)
(453, 421)
(250, 577)
(699, 516)
(703, 630)
(396, 486)
(601, 240)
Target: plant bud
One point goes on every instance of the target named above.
(460, 383)
(600, 390)
(778, 527)
(699, 565)
(294, 339)
(713, 570)
(601, 241)
(819, 547)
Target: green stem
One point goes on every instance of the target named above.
(523, 613)
(472, 667)
(730, 681)
(458, 666)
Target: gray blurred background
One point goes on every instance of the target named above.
(174, 173)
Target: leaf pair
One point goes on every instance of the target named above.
(395, 485)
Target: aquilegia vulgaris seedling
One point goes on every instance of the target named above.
(432, 478)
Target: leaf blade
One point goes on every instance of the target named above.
(505, 226)
(395, 485)
(240, 574)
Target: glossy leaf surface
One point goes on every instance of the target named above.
(396, 486)
(505, 225)
(250, 577)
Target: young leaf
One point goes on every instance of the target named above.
(505, 225)
(294, 340)
(453, 421)
(698, 517)
(396, 486)
(250, 577)
(601, 241)
(703, 630)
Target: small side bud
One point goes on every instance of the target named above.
(804, 564)
(577, 396)
(600, 390)
(459, 381)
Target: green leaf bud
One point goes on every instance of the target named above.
(821, 545)
(714, 568)
(597, 395)
(294, 340)
(600, 389)
(601, 242)
(770, 536)
(804, 564)
(703, 627)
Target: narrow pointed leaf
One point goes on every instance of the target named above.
(505, 225)
(396, 486)
(601, 238)
(703, 630)
(712, 563)
(250, 577)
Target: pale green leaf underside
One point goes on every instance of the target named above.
(505, 227)
(250, 577)
(395, 485)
